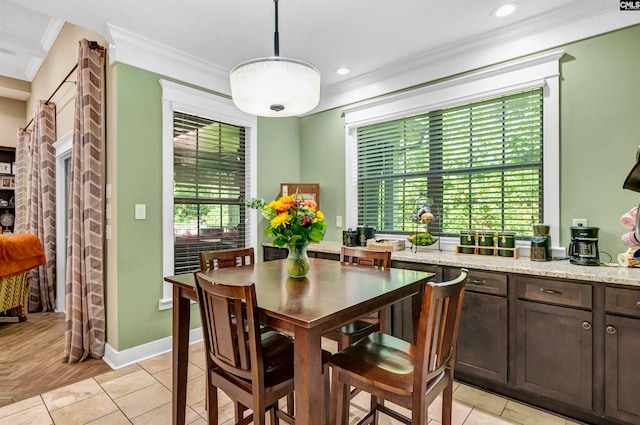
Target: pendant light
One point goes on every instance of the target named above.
(275, 86)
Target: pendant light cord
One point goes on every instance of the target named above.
(276, 36)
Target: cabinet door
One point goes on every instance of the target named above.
(554, 352)
(622, 369)
(482, 337)
(270, 253)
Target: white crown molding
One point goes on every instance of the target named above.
(534, 35)
(481, 52)
(135, 50)
(49, 37)
(51, 33)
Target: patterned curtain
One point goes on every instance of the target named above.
(41, 209)
(22, 178)
(85, 316)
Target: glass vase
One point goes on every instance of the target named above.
(298, 261)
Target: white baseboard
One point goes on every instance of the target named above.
(119, 359)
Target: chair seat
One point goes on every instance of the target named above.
(277, 352)
(382, 358)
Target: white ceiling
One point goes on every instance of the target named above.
(376, 39)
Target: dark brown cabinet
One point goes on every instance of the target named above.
(554, 356)
(271, 253)
(482, 347)
(572, 347)
(622, 355)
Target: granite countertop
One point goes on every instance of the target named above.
(561, 269)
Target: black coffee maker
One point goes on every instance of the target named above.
(583, 249)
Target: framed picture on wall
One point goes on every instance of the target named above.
(7, 182)
(5, 168)
(307, 190)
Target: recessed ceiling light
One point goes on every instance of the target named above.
(505, 9)
(343, 71)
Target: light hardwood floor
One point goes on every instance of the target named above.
(31, 357)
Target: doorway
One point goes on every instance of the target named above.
(63, 174)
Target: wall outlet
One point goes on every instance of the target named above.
(141, 212)
(339, 221)
(580, 222)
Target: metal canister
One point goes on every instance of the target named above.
(349, 237)
(486, 238)
(467, 237)
(363, 233)
(506, 240)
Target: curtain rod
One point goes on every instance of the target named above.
(93, 45)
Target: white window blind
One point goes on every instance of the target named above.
(208, 187)
(482, 162)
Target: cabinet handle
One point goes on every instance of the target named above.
(551, 291)
(586, 325)
(478, 281)
(611, 329)
(638, 303)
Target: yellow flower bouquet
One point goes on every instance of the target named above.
(294, 222)
(292, 219)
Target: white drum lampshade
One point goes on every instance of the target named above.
(275, 87)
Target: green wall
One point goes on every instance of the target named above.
(139, 181)
(599, 132)
(322, 160)
(600, 106)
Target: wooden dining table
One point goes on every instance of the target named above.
(330, 296)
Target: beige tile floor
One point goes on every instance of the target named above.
(141, 394)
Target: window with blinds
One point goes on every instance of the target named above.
(480, 162)
(208, 188)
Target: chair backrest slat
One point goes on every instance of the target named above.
(226, 258)
(438, 328)
(365, 257)
(232, 331)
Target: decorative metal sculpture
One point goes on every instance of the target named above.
(425, 212)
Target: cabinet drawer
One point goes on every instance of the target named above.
(271, 253)
(483, 282)
(555, 292)
(622, 301)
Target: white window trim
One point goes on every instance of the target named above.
(176, 97)
(539, 71)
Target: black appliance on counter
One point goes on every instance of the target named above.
(583, 249)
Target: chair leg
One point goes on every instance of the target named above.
(275, 420)
(339, 410)
(212, 405)
(291, 404)
(326, 389)
(374, 410)
(447, 403)
(239, 410)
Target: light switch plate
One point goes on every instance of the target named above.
(141, 211)
(339, 221)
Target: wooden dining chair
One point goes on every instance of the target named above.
(408, 375)
(354, 331)
(212, 260)
(252, 364)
